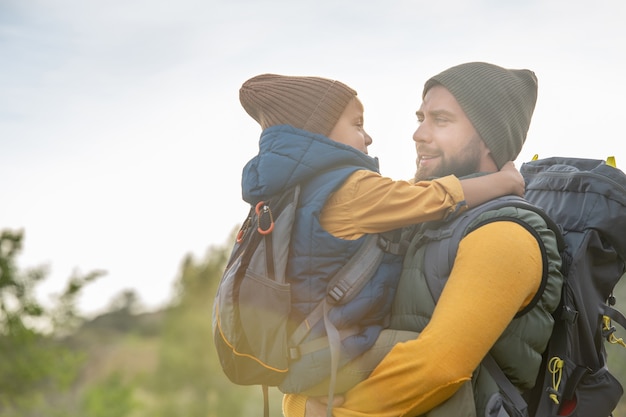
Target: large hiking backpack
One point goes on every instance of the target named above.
(584, 202)
(587, 199)
(252, 332)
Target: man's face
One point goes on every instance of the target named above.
(446, 141)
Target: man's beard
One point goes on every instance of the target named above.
(464, 162)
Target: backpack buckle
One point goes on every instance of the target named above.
(568, 314)
(294, 353)
(336, 294)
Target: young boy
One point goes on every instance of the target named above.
(313, 135)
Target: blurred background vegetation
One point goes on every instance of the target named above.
(127, 363)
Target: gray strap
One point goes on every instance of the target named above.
(353, 276)
(298, 335)
(346, 283)
(334, 342)
(266, 401)
(507, 387)
(314, 345)
(615, 315)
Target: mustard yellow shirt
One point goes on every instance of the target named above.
(498, 269)
(370, 203)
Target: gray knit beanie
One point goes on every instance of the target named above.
(498, 101)
(309, 103)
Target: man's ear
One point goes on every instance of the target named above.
(487, 163)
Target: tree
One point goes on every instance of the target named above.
(189, 381)
(112, 397)
(35, 366)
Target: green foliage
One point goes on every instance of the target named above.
(17, 302)
(112, 397)
(34, 362)
(188, 380)
(616, 352)
(119, 364)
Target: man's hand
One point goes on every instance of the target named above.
(316, 406)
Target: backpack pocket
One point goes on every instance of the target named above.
(264, 317)
(596, 395)
(250, 329)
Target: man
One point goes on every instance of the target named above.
(474, 117)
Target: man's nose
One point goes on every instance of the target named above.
(420, 134)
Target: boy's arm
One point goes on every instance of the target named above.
(370, 203)
(507, 181)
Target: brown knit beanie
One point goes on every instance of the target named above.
(309, 103)
(498, 101)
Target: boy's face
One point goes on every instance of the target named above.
(349, 128)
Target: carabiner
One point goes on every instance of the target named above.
(265, 219)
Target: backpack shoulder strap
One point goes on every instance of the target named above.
(507, 388)
(346, 283)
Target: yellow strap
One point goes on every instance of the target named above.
(611, 161)
(535, 157)
(606, 321)
(555, 366)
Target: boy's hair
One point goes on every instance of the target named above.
(309, 103)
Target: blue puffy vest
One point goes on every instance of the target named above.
(290, 156)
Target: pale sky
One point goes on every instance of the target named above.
(122, 138)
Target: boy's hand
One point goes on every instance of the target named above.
(518, 186)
